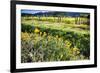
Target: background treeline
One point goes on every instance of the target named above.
(78, 18)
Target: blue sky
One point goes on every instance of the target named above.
(43, 11)
(32, 11)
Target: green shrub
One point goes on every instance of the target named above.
(40, 47)
(82, 41)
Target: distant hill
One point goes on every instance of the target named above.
(54, 13)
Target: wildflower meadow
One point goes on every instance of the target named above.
(54, 36)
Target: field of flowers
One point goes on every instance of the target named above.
(44, 41)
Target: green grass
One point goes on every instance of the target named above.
(49, 40)
(82, 28)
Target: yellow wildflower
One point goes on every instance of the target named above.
(36, 30)
(66, 41)
(68, 44)
(75, 49)
(49, 37)
(25, 36)
(44, 34)
(59, 39)
(56, 36)
(78, 52)
(40, 33)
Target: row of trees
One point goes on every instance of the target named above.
(60, 15)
